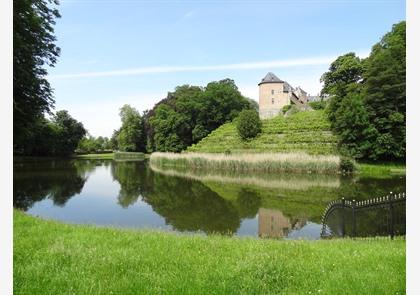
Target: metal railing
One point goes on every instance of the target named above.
(348, 215)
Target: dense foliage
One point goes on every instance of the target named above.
(248, 124)
(90, 144)
(130, 136)
(33, 48)
(367, 105)
(184, 117)
(59, 136)
(190, 113)
(318, 105)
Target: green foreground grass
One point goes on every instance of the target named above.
(55, 258)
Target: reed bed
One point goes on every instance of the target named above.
(129, 156)
(266, 162)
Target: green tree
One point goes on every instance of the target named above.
(90, 144)
(42, 140)
(367, 104)
(113, 142)
(343, 75)
(130, 136)
(69, 133)
(33, 49)
(385, 93)
(168, 126)
(190, 113)
(248, 124)
(357, 135)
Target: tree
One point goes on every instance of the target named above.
(130, 136)
(344, 72)
(357, 135)
(69, 133)
(33, 48)
(168, 126)
(367, 104)
(59, 136)
(385, 93)
(190, 113)
(113, 142)
(248, 124)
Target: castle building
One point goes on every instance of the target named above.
(272, 223)
(274, 94)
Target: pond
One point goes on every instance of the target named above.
(135, 195)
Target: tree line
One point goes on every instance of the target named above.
(33, 49)
(367, 107)
(184, 117)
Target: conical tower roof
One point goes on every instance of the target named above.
(270, 78)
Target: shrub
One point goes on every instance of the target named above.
(347, 165)
(318, 105)
(292, 110)
(248, 124)
(286, 108)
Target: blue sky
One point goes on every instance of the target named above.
(135, 51)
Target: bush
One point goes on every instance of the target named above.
(347, 165)
(292, 110)
(318, 105)
(248, 124)
(286, 108)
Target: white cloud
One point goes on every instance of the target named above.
(171, 69)
(189, 14)
(101, 118)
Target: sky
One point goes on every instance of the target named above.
(116, 52)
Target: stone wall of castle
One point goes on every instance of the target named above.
(272, 99)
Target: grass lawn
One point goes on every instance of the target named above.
(109, 156)
(116, 156)
(308, 132)
(380, 170)
(55, 258)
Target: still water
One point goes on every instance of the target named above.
(133, 194)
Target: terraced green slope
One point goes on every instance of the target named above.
(308, 132)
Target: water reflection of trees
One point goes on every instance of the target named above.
(187, 205)
(200, 202)
(132, 177)
(58, 180)
(296, 195)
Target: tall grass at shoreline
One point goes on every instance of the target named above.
(129, 156)
(267, 162)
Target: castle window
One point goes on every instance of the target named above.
(272, 91)
(272, 100)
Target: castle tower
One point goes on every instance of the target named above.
(274, 94)
(272, 223)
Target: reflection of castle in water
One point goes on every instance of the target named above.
(273, 224)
